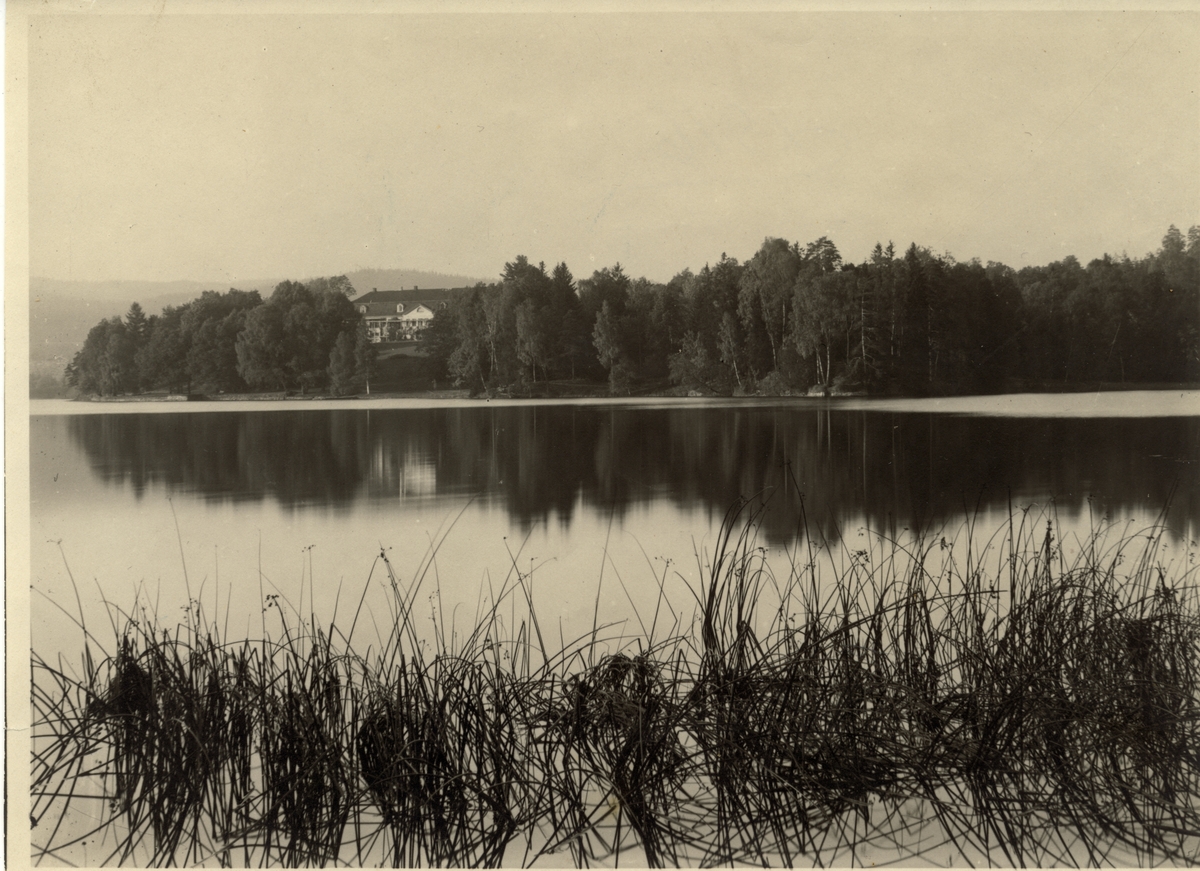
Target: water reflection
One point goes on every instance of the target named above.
(894, 470)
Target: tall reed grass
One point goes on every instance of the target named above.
(983, 701)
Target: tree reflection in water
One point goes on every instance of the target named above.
(895, 470)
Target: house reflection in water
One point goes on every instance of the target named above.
(406, 473)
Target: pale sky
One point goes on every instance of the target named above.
(226, 147)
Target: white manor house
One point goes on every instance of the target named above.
(400, 315)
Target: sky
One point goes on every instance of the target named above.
(227, 147)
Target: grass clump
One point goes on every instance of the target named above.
(994, 702)
(439, 754)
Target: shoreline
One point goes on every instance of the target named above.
(463, 394)
(1163, 402)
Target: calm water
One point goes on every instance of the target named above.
(149, 506)
(227, 503)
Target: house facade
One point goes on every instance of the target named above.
(400, 315)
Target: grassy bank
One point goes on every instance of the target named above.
(983, 700)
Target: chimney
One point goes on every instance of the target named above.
(374, 290)
(415, 287)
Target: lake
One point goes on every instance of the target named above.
(608, 513)
(226, 503)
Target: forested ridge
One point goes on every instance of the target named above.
(793, 317)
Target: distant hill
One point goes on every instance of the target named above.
(366, 280)
(62, 312)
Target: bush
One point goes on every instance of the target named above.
(774, 384)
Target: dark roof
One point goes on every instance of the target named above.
(429, 297)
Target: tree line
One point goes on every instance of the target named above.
(792, 317)
(795, 316)
(305, 336)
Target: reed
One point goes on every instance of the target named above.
(990, 701)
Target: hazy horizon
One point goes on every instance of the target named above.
(250, 283)
(198, 147)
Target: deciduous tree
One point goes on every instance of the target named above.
(766, 292)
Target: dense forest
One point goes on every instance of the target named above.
(791, 318)
(304, 337)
